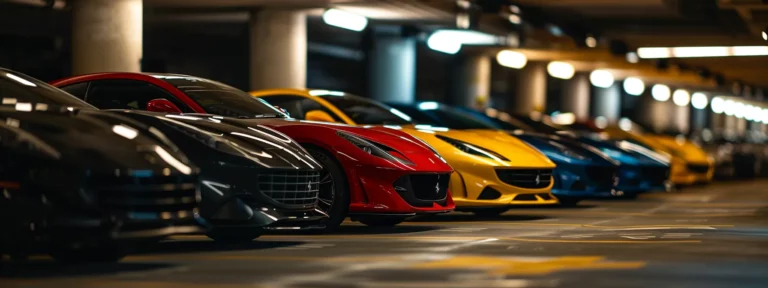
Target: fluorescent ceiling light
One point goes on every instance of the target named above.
(699, 100)
(346, 20)
(681, 97)
(450, 41)
(704, 51)
(634, 86)
(660, 92)
(739, 110)
(326, 93)
(765, 116)
(511, 59)
(560, 70)
(625, 124)
(729, 107)
(428, 105)
(601, 78)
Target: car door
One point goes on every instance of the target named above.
(127, 94)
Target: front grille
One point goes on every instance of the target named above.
(295, 188)
(177, 194)
(603, 176)
(698, 168)
(421, 190)
(656, 175)
(526, 178)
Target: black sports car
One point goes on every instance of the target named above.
(85, 184)
(252, 178)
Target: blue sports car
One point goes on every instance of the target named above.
(582, 171)
(641, 169)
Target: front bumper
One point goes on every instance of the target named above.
(481, 187)
(586, 181)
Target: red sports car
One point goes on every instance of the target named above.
(377, 176)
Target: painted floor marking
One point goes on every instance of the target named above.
(526, 266)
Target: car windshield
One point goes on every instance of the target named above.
(218, 98)
(499, 122)
(19, 88)
(430, 113)
(540, 126)
(367, 112)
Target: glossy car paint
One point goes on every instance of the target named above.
(472, 173)
(80, 176)
(231, 158)
(370, 178)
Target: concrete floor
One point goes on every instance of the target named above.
(712, 236)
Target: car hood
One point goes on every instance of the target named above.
(567, 152)
(90, 140)
(311, 131)
(685, 149)
(518, 152)
(627, 153)
(210, 141)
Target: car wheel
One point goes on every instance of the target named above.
(381, 221)
(490, 212)
(333, 198)
(233, 235)
(73, 254)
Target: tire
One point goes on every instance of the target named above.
(106, 252)
(334, 195)
(381, 221)
(233, 235)
(490, 212)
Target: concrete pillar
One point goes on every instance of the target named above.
(106, 36)
(392, 74)
(607, 102)
(531, 92)
(699, 119)
(681, 118)
(278, 45)
(575, 96)
(717, 122)
(475, 82)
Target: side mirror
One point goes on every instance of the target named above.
(162, 105)
(318, 115)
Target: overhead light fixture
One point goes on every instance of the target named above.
(591, 42)
(511, 59)
(699, 100)
(765, 116)
(748, 112)
(450, 41)
(625, 124)
(555, 30)
(704, 51)
(765, 36)
(681, 97)
(729, 107)
(601, 122)
(632, 57)
(560, 70)
(739, 110)
(634, 86)
(601, 78)
(660, 92)
(346, 20)
(717, 105)
(514, 19)
(428, 105)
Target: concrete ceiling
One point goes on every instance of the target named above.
(654, 23)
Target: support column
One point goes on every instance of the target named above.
(607, 102)
(278, 48)
(106, 36)
(575, 96)
(682, 115)
(475, 82)
(531, 89)
(392, 74)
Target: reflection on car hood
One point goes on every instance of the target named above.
(209, 140)
(519, 153)
(87, 139)
(685, 149)
(567, 151)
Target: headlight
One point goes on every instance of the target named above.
(472, 149)
(430, 148)
(377, 150)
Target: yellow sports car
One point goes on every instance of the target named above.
(690, 164)
(493, 170)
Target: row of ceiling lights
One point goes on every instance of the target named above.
(450, 41)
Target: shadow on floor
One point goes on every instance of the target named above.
(358, 229)
(36, 269)
(196, 246)
(464, 217)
